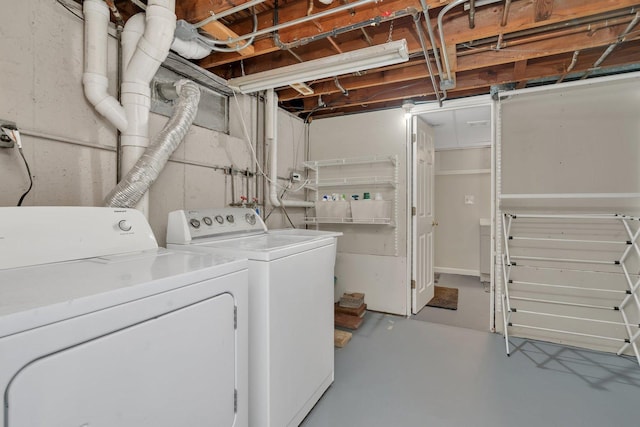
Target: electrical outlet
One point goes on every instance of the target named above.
(469, 199)
(5, 140)
(295, 177)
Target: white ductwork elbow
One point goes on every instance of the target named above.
(153, 47)
(189, 49)
(94, 79)
(131, 34)
(95, 89)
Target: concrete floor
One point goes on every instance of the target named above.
(402, 372)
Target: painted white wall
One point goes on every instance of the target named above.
(572, 139)
(41, 63)
(459, 174)
(371, 258)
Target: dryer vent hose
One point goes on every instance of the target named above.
(136, 183)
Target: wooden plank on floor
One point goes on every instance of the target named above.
(341, 338)
(347, 321)
(358, 311)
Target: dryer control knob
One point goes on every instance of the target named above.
(219, 219)
(250, 218)
(194, 223)
(124, 225)
(230, 219)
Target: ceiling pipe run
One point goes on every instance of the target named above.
(472, 14)
(298, 21)
(416, 21)
(574, 61)
(432, 40)
(612, 46)
(505, 13)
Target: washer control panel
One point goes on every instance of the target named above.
(185, 225)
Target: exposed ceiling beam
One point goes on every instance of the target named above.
(475, 80)
(543, 10)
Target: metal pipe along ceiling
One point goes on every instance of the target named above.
(299, 21)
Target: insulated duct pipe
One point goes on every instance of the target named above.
(136, 183)
(94, 78)
(271, 131)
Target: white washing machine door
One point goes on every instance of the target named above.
(160, 372)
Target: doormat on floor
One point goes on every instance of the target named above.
(444, 298)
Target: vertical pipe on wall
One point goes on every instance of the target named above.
(271, 133)
(141, 64)
(94, 78)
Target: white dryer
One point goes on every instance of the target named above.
(99, 327)
(291, 293)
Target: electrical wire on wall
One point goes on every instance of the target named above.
(11, 132)
(72, 7)
(254, 155)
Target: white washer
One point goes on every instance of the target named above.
(100, 327)
(291, 306)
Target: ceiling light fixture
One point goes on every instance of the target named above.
(330, 66)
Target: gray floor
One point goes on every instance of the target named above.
(402, 372)
(473, 304)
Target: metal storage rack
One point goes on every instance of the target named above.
(551, 239)
(359, 173)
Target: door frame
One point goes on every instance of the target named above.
(477, 101)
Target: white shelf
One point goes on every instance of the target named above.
(377, 173)
(376, 221)
(388, 181)
(315, 164)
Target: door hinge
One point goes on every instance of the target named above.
(414, 138)
(414, 211)
(235, 317)
(235, 400)
(413, 283)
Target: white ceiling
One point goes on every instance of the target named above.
(464, 127)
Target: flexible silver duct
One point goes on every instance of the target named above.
(147, 169)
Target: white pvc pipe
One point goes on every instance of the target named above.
(140, 65)
(131, 34)
(189, 49)
(94, 78)
(271, 131)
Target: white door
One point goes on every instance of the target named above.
(422, 234)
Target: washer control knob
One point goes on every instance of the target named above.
(230, 219)
(124, 225)
(194, 223)
(219, 219)
(207, 220)
(250, 218)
